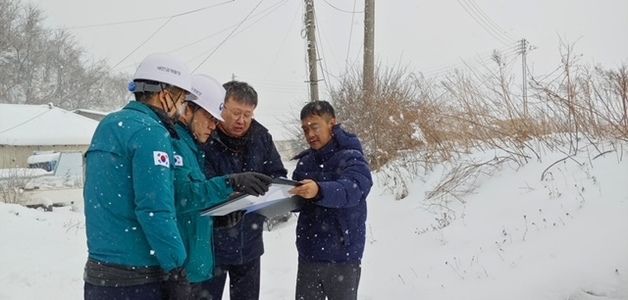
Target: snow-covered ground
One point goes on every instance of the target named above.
(22, 173)
(515, 237)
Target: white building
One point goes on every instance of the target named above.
(92, 114)
(28, 128)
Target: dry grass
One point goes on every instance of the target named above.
(463, 112)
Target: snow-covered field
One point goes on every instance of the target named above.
(515, 237)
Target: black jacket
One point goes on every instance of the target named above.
(224, 155)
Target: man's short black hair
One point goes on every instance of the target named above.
(241, 92)
(317, 108)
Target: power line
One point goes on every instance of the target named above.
(282, 83)
(149, 19)
(227, 28)
(489, 20)
(285, 37)
(344, 10)
(28, 120)
(150, 37)
(484, 57)
(548, 75)
(350, 33)
(321, 60)
(482, 24)
(274, 6)
(144, 42)
(220, 31)
(229, 36)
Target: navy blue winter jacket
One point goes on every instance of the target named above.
(224, 155)
(332, 228)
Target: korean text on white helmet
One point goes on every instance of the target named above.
(165, 69)
(210, 95)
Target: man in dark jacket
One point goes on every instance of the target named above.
(240, 144)
(335, 179)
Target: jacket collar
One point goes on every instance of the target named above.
(186, 136)
(341, 140)
(238, 144)
(154, 113)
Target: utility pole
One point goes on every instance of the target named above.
(310, 30)
(233, 76)
(524, 50)
(369, 49)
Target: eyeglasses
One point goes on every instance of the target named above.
(214, 119)
(236, 113)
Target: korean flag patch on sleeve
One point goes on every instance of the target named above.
(161, 159)
(178, 160)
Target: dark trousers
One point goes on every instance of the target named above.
(200, 291)
(148, 291)
(243, 281)
(336, 281)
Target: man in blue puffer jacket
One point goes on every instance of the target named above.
(335, 179)
(240, 144)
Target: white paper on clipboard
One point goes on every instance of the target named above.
(277, 192)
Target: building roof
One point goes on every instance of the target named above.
(22, 125)
(92, 114)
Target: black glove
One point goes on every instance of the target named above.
(229, 220)
(251, 183)
(177, 285)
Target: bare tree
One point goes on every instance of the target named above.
(42, 66)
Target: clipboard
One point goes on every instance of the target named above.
(275, 202)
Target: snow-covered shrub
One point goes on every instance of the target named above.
(12, 186)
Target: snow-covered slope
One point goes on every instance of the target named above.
(515, 237)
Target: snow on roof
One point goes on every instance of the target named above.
(89, 111)
(41, 158)
(43, 125)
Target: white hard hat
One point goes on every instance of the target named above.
(166, 69)
(210, 94)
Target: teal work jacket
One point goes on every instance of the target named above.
(130, 216)
(194, 193)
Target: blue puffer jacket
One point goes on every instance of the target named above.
(332, 228)
(224, 155)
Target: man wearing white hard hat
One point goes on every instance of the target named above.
(193, 192)
(134, 245)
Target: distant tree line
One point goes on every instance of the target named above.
(41, 65)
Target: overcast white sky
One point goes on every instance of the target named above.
(268, 49)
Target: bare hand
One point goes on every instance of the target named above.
(307, 189)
